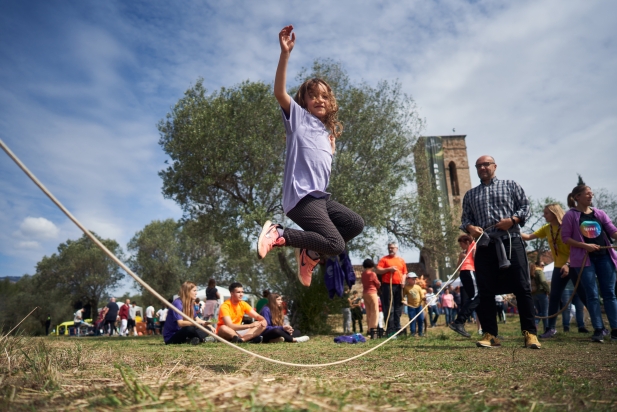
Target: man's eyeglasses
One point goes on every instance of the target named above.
(484, 165)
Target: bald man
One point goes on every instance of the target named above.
(498, 208)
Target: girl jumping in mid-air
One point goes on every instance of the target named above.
(311, 127)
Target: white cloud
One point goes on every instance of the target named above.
(28, 244)
(38, 228)
(531, 82)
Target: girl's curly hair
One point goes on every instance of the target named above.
(331, 121)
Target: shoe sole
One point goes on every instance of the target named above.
(298, 254)
(533, 346)
(264, 230)
(479, 345)
(460, 332)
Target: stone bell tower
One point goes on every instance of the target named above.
(442, 161)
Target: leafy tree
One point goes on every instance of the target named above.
(157, 258)
(165, 255)
(227, 150)
(18, 299)
(80, 271)
(607, 201)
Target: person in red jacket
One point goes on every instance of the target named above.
(124, 317)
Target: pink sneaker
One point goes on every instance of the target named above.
(305, 267)
(268, 238)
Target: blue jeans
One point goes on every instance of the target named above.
(602, 268)
(558, 285)
(449, 312)
(419, 320)
(580, 309)
(540, 301)
(433, 314)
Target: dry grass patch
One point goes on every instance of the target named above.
(440, 372)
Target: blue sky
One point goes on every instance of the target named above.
(83, 85)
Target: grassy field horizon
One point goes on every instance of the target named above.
(441, 371)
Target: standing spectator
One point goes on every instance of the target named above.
(433, 310)
(99, 325)
(356, 311)
(553, 214)
(178, 330)
(370, 286)
(470, 286)
(422, 282)
(447, 302)
(439, 293)
(539, 291)
(588, 231)
(500, 308)
(456, 295)
(124, 318)
(381, 321)
(77, 321)
(392, 268)
(498, 208)
(150, 328)
(263, 301)
(212, 299)
(346, 309)
(111, 316)
(197, 309)
(162, 315)
(131, 322)
(414, 298)
(47, 324)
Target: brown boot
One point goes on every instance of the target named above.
(531, 341)
(489, 341)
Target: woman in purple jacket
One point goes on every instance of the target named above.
(588, 230)
(276, 331)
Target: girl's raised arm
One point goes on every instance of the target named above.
(287, 40)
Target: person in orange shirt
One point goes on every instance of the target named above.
(392, 268)
(468, 280)
(230, 325)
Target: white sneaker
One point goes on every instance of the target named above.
(302, 339)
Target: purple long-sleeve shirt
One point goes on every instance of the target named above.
(570, 230)
(265, 312)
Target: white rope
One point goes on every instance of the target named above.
(172, 307)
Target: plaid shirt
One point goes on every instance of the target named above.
(485, 205)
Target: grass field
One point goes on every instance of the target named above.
(442, 372)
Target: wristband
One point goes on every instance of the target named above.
(568, 263)
(513, 221)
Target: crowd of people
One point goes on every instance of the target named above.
(237, 322)
(495, 274)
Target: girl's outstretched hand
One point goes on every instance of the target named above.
(287, 39)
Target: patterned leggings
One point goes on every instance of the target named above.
(327, 225)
